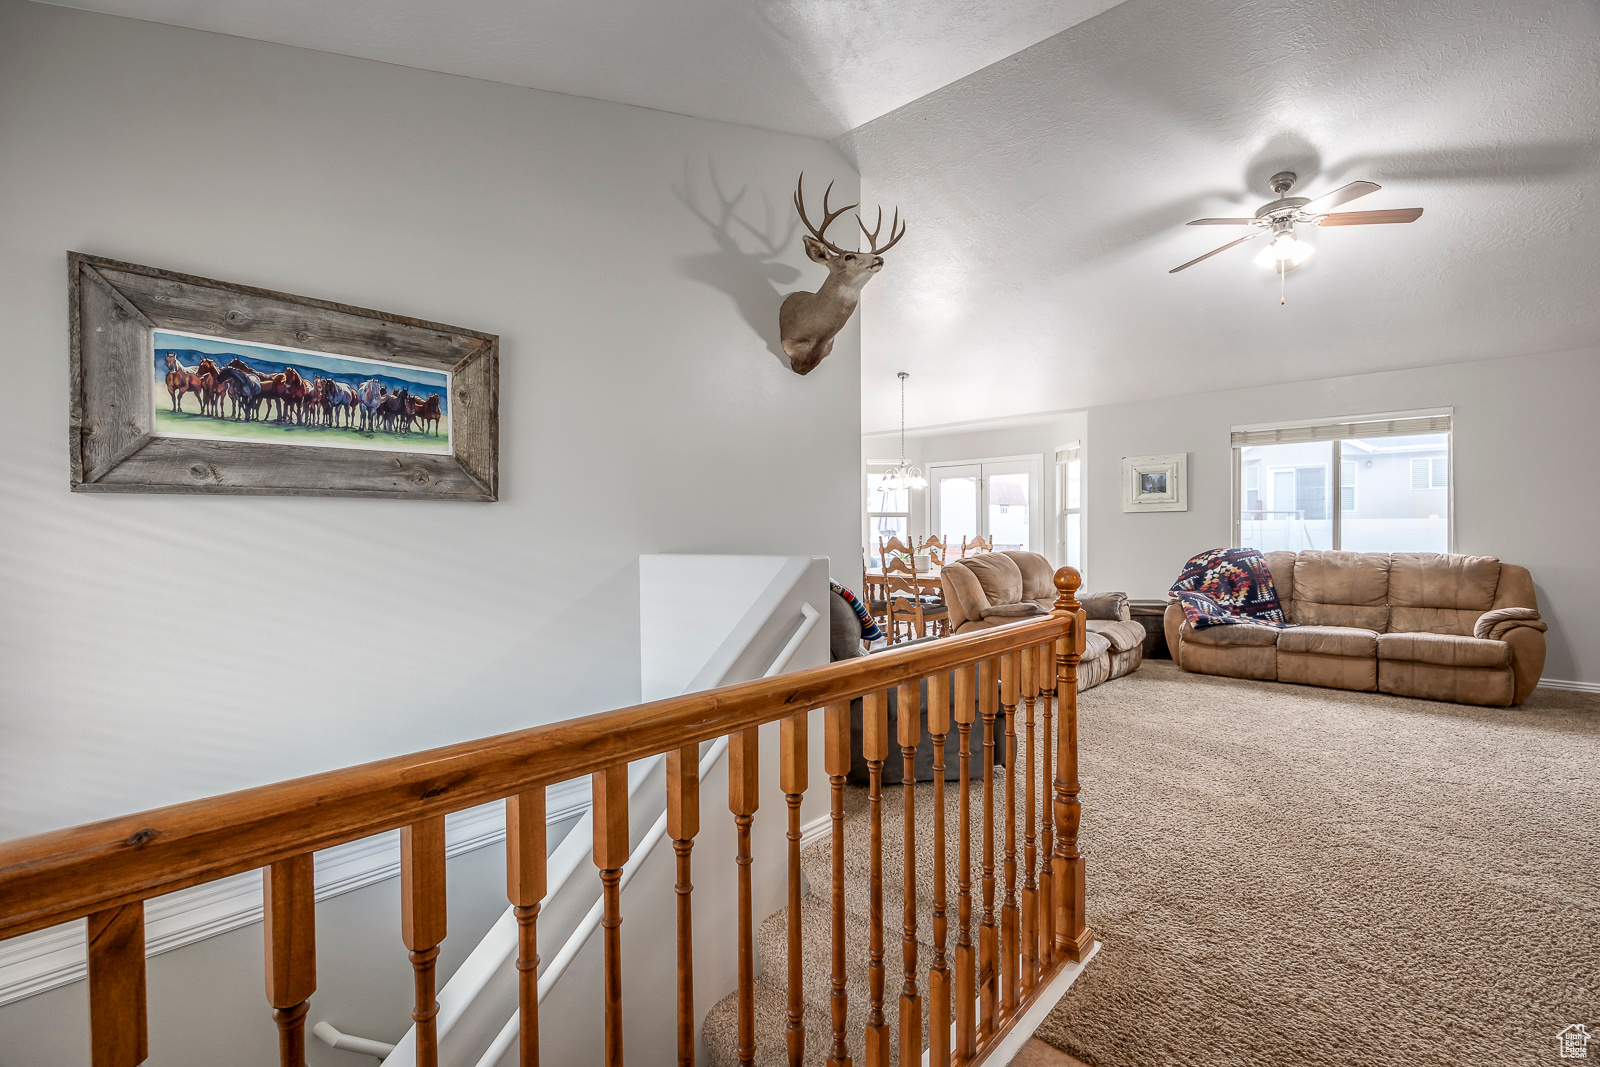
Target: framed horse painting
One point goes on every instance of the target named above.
(190, 385)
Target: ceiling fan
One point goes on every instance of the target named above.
(1280, 217)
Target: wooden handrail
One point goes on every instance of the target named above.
(67, 874)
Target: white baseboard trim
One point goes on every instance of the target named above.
(1031, 1019)
(816, 830)
(48, 959)
(1018, 1035)
(1576, 687)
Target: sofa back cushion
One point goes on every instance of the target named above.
(1430, 592)
(963, 594)
(1340, 589)
(1038, 577)
(999, 576)
(1281, 567)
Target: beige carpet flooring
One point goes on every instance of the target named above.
(1282, 875)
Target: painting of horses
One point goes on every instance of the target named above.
(215, 389)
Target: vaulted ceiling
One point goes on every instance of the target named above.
(1048, 152)
(1047, 196)
(820, 67)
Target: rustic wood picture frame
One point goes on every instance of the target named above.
(115, 309)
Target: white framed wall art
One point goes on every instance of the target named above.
(1156, 483)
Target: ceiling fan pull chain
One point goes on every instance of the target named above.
(1283, 286)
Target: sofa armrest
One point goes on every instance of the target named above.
(1527, 657)
(1494, 625)
(1108, 607)
(1172, 623)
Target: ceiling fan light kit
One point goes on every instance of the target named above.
(1281, 216)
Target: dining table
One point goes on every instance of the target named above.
(929, 579)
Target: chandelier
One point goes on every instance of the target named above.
(903, 476)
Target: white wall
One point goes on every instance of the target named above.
(1033, 436)
(158, 648)
(1524, 437)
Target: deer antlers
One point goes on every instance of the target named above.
(872, 235)
(897, 228)
(827, 216)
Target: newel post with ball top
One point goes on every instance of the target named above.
(1073, 939)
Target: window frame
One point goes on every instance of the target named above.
(1335, 431)
(1066, 455)
(874, 470)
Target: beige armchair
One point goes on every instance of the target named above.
(997, 588)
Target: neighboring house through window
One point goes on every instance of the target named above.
(1392, 474)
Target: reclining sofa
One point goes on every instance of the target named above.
(1416, 624)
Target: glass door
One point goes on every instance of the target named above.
(955, 502)
(1008, 504)
(998, 499)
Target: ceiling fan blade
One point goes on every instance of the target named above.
(1342, 195)
(1214, 251)
(1224, 222)
(1369, 218)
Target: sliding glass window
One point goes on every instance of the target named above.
(1359, 485)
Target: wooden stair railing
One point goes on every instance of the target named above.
(105, 871)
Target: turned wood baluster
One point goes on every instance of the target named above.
(794, 751)
(837, 763)
(1047, 912)
(938, 972)
(909, 728)
(1010, 668)
(683, 823)
(289, 913)
(1073, 938)
(875, 746)
(525, 888)
(988, 933)
(118, 1033)
(744, 785)
(422, 923)
(1030, 855)
(966, 990)
(610, 814)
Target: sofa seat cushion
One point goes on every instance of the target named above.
(1444, 650)
(1124, 636)
(1231, 636)
(1330, 641)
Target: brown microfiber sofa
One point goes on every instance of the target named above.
(1417, 624)
(995, 588)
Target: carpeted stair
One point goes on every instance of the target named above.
(771, 991)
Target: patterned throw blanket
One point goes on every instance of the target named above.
(1228, 585)
(869, 625)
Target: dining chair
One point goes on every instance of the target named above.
(976, 544)
(936, 548)
(872, 592)
(909, 608)
(893, 545)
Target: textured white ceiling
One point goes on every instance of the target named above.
(818, 67)
(1047, 195)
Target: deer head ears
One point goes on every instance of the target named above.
(816, 251)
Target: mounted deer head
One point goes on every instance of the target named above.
(808, 322)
